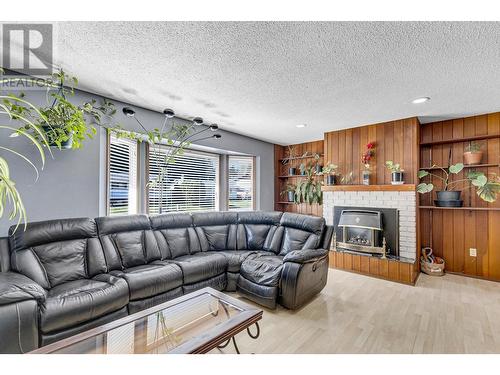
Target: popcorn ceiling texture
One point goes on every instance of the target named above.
(404, 201)
(262, 78)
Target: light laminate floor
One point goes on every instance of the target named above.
(360, 314)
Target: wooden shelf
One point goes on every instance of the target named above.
(296, 176)
(461, 208)
(465, 166)
(285, 203)
(301, 157)
(405, 187)
(458, 140)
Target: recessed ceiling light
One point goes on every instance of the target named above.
(301, 125)
(421, 100)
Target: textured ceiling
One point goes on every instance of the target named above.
(263, 78)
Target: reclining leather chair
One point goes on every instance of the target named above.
(62, 277)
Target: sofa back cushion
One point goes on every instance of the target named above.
(175, 234)
(300, 232)
(257, 230)
(216, 230)
(128, 241)
(4, 254)
(57, 251)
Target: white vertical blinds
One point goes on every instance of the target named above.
(241, 183)
(122, 176)
(191, 183)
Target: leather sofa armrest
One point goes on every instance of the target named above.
(305, 256)
(15, 287)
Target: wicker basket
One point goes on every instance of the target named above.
(430, 264)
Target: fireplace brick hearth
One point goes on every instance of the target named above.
(403, 201)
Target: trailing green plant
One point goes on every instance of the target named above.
(486, 188)
(308, 190)
(60, 120)
(473, 147)
(393, 167)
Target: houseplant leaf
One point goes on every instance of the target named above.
(421, 173)
(423, 188)
(456, 168)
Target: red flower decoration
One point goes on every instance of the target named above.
(370, 145)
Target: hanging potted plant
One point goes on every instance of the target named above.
(396, 172)
(487, 188)
(365, 159)
(289, 192)
(330, 171)
(308, 190)
(473, 153)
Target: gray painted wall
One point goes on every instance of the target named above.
(73, 184)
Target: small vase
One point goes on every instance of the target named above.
(318, 169)
(471, 158)
(366, 177)
(331, 179)
(397, 178)
(291, 196)
(292, 171)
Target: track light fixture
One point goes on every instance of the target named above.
(169, 113)
(198, 121)
(127, 111)
(214, 127)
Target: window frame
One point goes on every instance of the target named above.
(254, 183)
(108, 175)
(187, 150)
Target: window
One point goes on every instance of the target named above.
(122, 176)
(241, 183)
(189, 184)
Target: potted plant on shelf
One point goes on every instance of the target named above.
(330, 171)
(487, 188)
(396, 172)
(308, 190)
(318, 167)
(473, 153)
(289, 192)
(290, 156)
(365, 159)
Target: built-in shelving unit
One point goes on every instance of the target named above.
(460, 139)
(461, 208)
(493, 165)
(404, 187)
(300, 157)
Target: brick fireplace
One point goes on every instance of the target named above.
(403, 200)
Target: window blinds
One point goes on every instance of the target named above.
(122, 176)
(241, 182)
(189, 184)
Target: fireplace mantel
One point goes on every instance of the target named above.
(405, 187)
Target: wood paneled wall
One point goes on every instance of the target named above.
(282, 178)
(451, 233)
(394, 140)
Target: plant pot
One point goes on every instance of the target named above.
(448, 195)
(291, 196)
(66, 145)
(397, 178)
(471, 158)
(292, 171)
(331, 179)
(448, 199)
(319, 168)
(366, 177)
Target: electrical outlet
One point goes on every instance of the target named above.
(473, 252)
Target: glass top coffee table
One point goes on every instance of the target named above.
(195, 323)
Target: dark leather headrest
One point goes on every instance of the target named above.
(259, 217)
(170, 221)
(115, 224)
(214, 218)
(42, 232)
(311, 224)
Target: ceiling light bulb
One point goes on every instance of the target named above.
(301, 125)
(198, 121)
(421, 100)
(128, 111)
(169, 113)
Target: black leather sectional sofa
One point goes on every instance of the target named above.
(62, 277)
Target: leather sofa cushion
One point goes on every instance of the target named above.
(4, 255)
(79, 301)
(15, 287)
(235, 258)
(201, 266)
(216, 230)
(42, 232)
(262, 269)
(312, 224)
(176, 242)
(151, 279)
(116, 224)
(300, 232)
